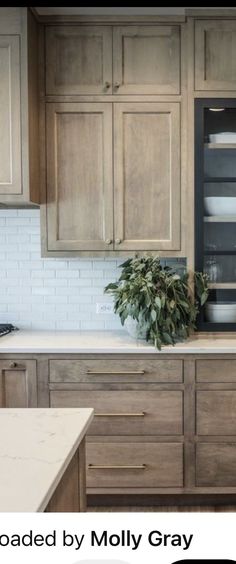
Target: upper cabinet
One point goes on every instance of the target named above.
(83, 60)
(215, 61)
(146, 59)
(19, 154)
(78, 60)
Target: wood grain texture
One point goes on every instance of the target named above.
(18, 383)
(146, 59)
(147, 176)
(10, 125)
(215, 65)
(122, 370)
(66, 498)
(78, 60)
(79, 176)
(218, 370)
(164, 465)
(216, 465)
(163, 411)
(216, 412)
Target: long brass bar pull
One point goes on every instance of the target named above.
(117, 467)
(139, 414)
(120, 372)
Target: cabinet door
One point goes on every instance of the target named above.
(146, 60)
(79, 176)
(147, 176)
(215, 62)
(10, 116)
(78, 60)
(18, 383)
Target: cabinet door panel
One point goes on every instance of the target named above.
(146, 60)
(147, 176)
(18, 383)
(78, 60)
(79, 176)
(216, 465)
(216, 412)
(10, 116)
(215, 62)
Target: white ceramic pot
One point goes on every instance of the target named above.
(136, 329)
(221, 313)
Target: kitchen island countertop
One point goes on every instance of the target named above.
(109, 342)
(36, 447)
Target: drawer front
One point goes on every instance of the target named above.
(115, 465)
(216, 412)
(216, 464)
(126, 412)
(216, 370)
(121, 370)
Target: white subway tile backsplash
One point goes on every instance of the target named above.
(43, 293)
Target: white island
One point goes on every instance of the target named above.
(42, 463)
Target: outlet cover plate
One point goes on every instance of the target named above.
(104, 308)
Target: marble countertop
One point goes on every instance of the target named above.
(36, 446)
(110, 342)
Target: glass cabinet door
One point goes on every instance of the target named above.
(215, 204)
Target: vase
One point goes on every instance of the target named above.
(136, 329)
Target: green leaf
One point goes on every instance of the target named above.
(153, 315)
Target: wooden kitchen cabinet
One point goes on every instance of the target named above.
(18, 383)
(146, 59)
(19, 155)
(215, 64)
(147, 176)
(86, 148)
(79, 177)
(78, 60)
(83, 60)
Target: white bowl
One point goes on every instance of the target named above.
(221, 312)
(224, 137)
(221, 205)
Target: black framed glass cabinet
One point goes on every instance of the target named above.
(215, 209)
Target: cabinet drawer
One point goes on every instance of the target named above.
(127, 412)
(216, 412)
(134, 465)
(121, 370)
(216, 464)
(216, 370)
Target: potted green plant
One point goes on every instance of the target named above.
(155, 302)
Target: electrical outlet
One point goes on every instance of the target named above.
(106, 308)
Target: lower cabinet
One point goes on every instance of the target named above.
(18, 383)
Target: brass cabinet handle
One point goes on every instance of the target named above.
(107, 84)
(118, 241)
(13, 365)
(117, 85)
(117, 467)
(120, 372)
(138, 414)
(108, 241)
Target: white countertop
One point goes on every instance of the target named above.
(36, 446)
(110, 342)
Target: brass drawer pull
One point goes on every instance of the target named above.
(13, 365)
(120, 372)
(139, 414)
(117, 467)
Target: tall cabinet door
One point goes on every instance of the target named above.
(147, 176)
(10, 115)
(146, 59)
(18, 383)
(78, 60)
(79, 176)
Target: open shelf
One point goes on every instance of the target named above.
(220, 219)
(220, 145)
(222, 179)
